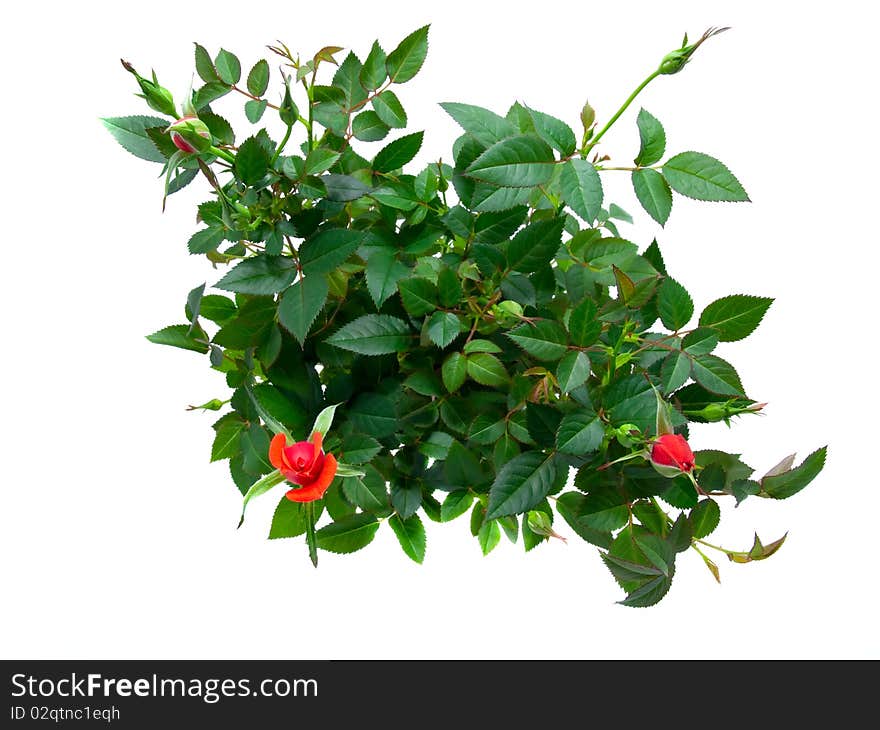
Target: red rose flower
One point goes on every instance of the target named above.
(672, 450)
(303, 463)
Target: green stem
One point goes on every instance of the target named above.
(638, 90)
(281, 145)
(714, 547)
(222, 154)
(311, 538)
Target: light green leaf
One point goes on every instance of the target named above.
(251, 162)
(289, 519)
(368, 127)
(700, 341)
(487, 369)
(204, 64)
(702, 177)
(705, 517)
(535, 245)
(717, 375)
(584, 324)
(443, 328)
(406, 60)
(373, 73)
(131, 133)
(653, 193)
(320, 160)
(783, 486)
(573, 370)
(178, 335)
(675, 371)
(397, 153)
(226, 440)
(675, 304)
(373, 334)
(554, 131)
(389, 109)
(301, 304)
(419, 295)
(580, 433)
(735, 317)
(328, 249)
(260, 487)
(522, 484)
(368, 494)
(348, 534)
(384, 271)
(411, 536)
(652, 137)
(454, 371)
(456, 504)
(581, 188)
(515, 162)
(258, 78)
(483, 125)
(259, 275)
(545, 339)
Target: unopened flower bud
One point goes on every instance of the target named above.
(671, 455)
(675, 61)
(191, 134)
(588, 116)
(156, 96)
(288, 111)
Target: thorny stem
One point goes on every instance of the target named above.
(593, 142)
(251, 96)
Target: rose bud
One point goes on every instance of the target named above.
(303, 463)
(190, 134)
(671, 455)
(674, 62)
(156, 96)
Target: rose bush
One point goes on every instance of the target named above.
(459, 338)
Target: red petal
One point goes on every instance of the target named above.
(276, 450)
(300, 456)
(306, 494)
(318, 440)
(328, 473)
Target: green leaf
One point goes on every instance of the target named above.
(542, 423)
(373, 334)
(260, 487)
(405, 61)
(584, 325)
(258, 78)
(554, 131)
(521, 484)
(289, 519)
(581, 188)
(758, 551)
(397, 153)
(449, 288)
(788, 483)
(204, 64)
(483, 125)
(717, 375)
(226, 440)
(580, 433)
(259, 275)
(384, 271)
(343, 188)
(209, 93)
(228, 67)
(348, 534)
(411, 536)
(573, 370)
(131, 133)
(368, 127)
(535, 245)
(545, 339)
(373, 73)
(205, 240)
(368, 494)
(327, 250)
(487, 369)
(515, 162)
(632, 400)
(675, 371)
(437, 445)
(675, 304)
(648, 594)
(406, 499)
(359, 449)
(653, 193)
(487, 429)
(570, 506)
(301, 304)
(419, 296)
(443, 328)
(705, 517)
(456, 504)
(489, 536)
(652, 139)
(177, 335)
(389, 109)
(735, 317)
(251, 162)
(454, 371)
(320, 159)
(700, 341)
(702, 177)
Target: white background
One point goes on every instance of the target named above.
(118, 538)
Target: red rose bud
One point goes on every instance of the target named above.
(156, 96)
(190, 134)
(671, 455)
(303, 463)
